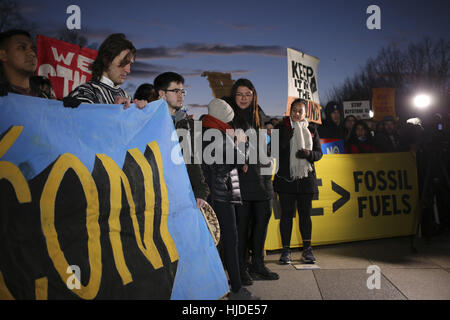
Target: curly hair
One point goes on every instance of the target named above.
(113, 45)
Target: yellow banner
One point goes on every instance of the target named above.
(361, 197)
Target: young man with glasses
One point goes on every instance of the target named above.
(169, 86)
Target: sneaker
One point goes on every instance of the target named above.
(261, 272)
(285, 257)
(307, 256)
(242, 294)
(246, 279)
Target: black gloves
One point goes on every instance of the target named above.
(70, 102)
(303, 154)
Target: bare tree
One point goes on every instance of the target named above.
(11, 18)
(423, 65)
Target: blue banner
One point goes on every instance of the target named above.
(94, 190)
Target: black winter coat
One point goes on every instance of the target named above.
(254, 185)
(194, 170)
(222, 179)
(283, 182)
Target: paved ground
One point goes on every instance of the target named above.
(343, 272)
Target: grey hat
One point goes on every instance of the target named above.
(221, 110)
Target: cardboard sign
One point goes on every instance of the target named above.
(302, 82)
(383, 103)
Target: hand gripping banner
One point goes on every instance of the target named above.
(92, 206)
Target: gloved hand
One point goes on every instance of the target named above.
(303, 154)
(70, 102)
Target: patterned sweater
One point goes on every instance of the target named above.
(97, 92)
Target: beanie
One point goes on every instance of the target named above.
(221, 110)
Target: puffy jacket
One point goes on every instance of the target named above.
(222, 179)
(283, 183)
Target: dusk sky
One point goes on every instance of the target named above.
(247, 38)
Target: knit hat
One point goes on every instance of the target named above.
(221, 110)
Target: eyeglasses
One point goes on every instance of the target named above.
(248, 94)
(177, 91)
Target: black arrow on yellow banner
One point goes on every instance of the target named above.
(345, 196)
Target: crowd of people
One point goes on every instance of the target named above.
(240, 194)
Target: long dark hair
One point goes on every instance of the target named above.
(113, 45)
(239, 120)
(353, 138)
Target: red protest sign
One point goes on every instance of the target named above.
(65, 64)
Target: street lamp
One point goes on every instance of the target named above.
(422, 101)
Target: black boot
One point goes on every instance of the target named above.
(246, 279)
(259, 271)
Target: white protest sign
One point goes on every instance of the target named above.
(302, 80)
(359, 109)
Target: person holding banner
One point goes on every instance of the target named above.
(296, 181)
(169, 86)
(223, 181)
(18, 62)
(256, 189)
(360, 140)
(109, 71)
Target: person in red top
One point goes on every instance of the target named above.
(360, 140)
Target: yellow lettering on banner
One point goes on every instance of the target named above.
(41, 288)
(9, 138)
(149, 199)
(165, 235)
(47, 204)
(4, 291)
(10, 171)
(362, 197)
(117, 177)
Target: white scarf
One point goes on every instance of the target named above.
(300, 168)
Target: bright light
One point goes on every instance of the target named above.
(415, 121)
(371, 114)
(422, 101)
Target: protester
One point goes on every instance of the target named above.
(147, 92)
(109, 71)
(433, 171)
(296, 181)
(223, 181)
(18, 62)
(169, 86)
(41, 85)
(349, 122)
(360, 140)
(388, 139)
(372, 126)
(256, 189)
(332, 127)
